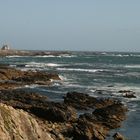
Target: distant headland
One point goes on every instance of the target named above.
(6, 50)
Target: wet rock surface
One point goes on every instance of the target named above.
(128, 93)
(12, 78)
(61, 119)
(84, 101)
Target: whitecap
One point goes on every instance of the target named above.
(38, 65)
(45, 56)
(80, 70)
(15, 56)
(63, 78)
(132, 66)
(58, 56)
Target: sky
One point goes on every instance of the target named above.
(86, 25)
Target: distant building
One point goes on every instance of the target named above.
(5, 47)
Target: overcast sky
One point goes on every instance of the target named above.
(91, 25)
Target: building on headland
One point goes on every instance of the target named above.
(5, 47)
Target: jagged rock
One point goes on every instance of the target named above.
(22, 99)
(84, 101)
(118, 136)
(86, 130)
(38, 105)
(19, 125)
(63, 117)
(55, 112)
(111, 116)
(128, 93)
(97, 125)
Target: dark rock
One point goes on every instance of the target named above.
(125, 91)
(55, 112)
(38, 104)
(97, 125)
(111, 116)
(107, 115)
(86, 130)
(84, 101)
(21, 98)
(129, 95)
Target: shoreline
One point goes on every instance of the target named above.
(62, 121)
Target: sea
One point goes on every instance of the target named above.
(90, 72)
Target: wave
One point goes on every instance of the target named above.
(58, 56)
(80, 70)
(135, 55)
(15, 56)
(132, 66)
(119, 55)
(38, 65)
(62, 78)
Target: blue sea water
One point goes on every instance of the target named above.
(89, 72)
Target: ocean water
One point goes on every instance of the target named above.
(89, 72)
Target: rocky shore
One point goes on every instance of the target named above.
(30, 116)
(12, 78)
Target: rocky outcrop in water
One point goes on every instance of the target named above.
(13, 78)
(128, 93)
(84, 101)
(61, 119)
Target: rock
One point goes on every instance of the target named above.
(118, 136)
(55, 112)
(19, 125)
(125, 91)
(12, 78)
(128, 93)
(97, 125)
(62, 117)
(86, 130)
(111, 116)
(38, 104)
(84, 101)
(22, 99)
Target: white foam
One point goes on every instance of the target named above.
(132, 66)
(62, 78)
(80, 70)
(135, 55)
(58, 56)
(45, 56)
(15, 56)
(38, 65)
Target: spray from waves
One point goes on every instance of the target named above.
(80, 70)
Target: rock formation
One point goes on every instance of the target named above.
(12, 78)
(61, 119)
(19, 125)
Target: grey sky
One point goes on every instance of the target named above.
(97, 25)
